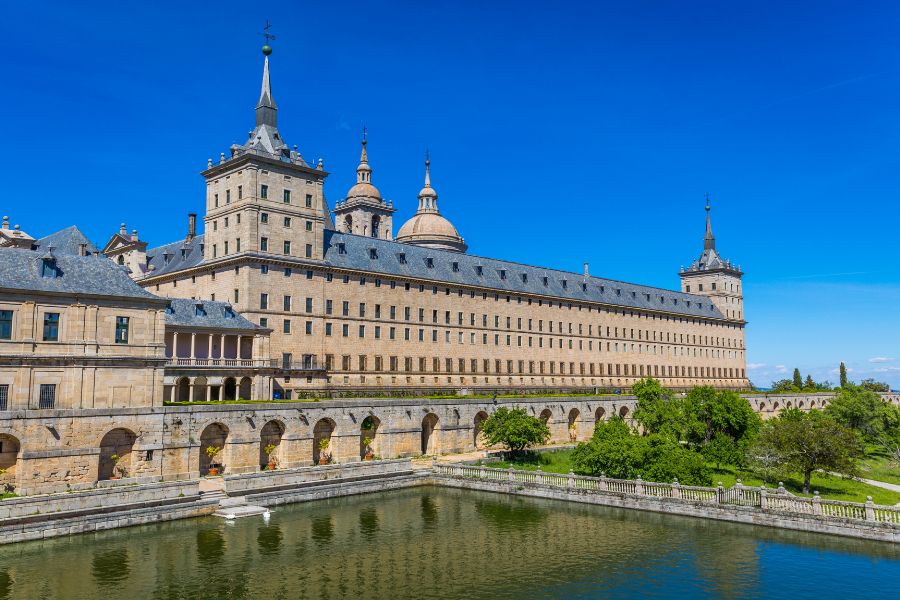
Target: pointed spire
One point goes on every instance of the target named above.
(709, 241)
(363, 171)
(266, 109)
(427, 195)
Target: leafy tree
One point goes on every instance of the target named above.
(783, 385)
(619, 453)
(723, 414)
(514, 428)
(843, 374)
(859, 409)
(874, 386)
(798, 380)
(723, 450)
(809, 384)
(658, 410)
(804, 442)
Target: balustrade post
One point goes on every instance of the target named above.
(510, 474)
(739, 490)
(781, 489)
(482, 474)
(817, 504)
(720, 493)
(762, 497)
(603, 484)
(676, 489)
(571, 482)
(639, 486)
(870, 509)
(539, 476)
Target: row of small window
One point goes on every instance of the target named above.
(473, 365)
(46, 396)
(263, 218)
(713, 287)
(263, 247)
(263, 194)
(51, 327)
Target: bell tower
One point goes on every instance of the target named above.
(713, 276)
(364, 211)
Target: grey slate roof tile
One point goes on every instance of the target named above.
(216, 315)
(182, 254)
(91, 275)
(66, 241)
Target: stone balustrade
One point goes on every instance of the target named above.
(767, 500)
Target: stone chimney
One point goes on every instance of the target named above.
(586, 270)
(82, 249)
(192, 226)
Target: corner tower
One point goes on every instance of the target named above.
(713, 276)
(364, 211)
(428, 228)
(263, 197)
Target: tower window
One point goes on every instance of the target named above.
(263, 245)
(263, 217)
(122, 330)
(309, 201)
(287, 247)
(309, 226)
(287, 196)
(287, 221)
(263, 191)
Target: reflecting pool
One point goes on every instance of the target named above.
(445, 543)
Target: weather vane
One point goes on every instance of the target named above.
(364, 133)
(267, 49)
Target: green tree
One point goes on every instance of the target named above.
(859, 409)
(514, 428)
(809, 384)
(658, 410)
(874, 386)
(798, 380)
(843, 374)
(720, 414)
(804, 442)
(782, 385)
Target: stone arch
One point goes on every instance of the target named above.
(477, 437)
(789, 405)
(546, 415)
(376, 226)
(762, 407)
(623, 412)
(117, 443)
(245, 388)
(775, 407)
(229, 389)
(348, 224)
(368, 429)
(430, 434)
(10, 448)
(573, 424)
(599, 414)
(200, 386)
(323, 430)
(800, 405)
(183, 389)
(213, 435)
(270, 435)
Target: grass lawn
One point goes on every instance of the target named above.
(878, 466)
(830, 487)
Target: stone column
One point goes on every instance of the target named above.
(221, 345)
(191, 390)
(237, 353)
(174, 345)
(208, 391)
(193, 346)
(209, 346)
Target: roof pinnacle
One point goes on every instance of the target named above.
(709, 240)
(266, 109)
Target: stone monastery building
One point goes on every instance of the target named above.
(283, 297)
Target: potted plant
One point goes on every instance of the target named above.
(211, 453)
(324, 454)
(367, 446)
(270, 453)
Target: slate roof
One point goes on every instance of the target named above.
(183, 254)
(66, 241)
(93, 275)
(357, 255)
(218, 315)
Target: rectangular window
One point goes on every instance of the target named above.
(263, 301)
(237, 245)
(328, 307)
(51, 327)
(263, 217)
(263, 322)
(6, 324)
(328, 329)
(287, 247)
(309, 305)
(227, 196)
(47, 397)
(287, 221)
(287, 196)
(308, 252)
(309, 225)
(287, 303)
(309, 201)
(287, 326)
(263, 191)
(309, 328)
(4, 397)
(122, 330)
(263, 245)
(240, 192)
(237, 295)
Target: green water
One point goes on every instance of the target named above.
(444, 543)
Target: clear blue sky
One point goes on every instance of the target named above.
(560, 133)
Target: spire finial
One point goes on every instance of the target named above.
(427, 168)
(709, 241)
(266, 109)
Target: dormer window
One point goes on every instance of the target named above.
(584, 287)
(602, 289)
(618, 292)
(229, 313)
(479, 270)
(429, 262)
(524, 277)
(565, 284)
(342, 248)
(373, 253)
(170, 310)
(455, 267)
(503, 274)
(199, 311)
(167, 256)
(634, 294)
(48, 268)
(662, 300)
(546, 281)
(401, 258)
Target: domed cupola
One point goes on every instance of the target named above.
(363, 211)
(428, 227)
